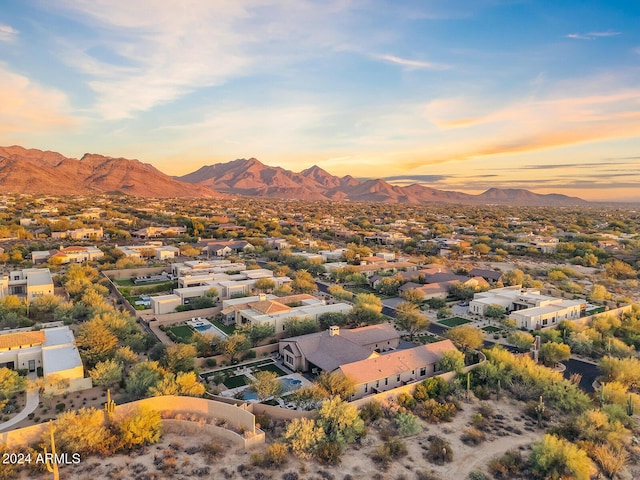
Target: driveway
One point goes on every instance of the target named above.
(33, 398)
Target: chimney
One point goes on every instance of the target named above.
(334, 330)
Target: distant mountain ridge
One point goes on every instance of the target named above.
(44, 172)
(253, 178)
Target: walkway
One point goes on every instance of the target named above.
(33, 399)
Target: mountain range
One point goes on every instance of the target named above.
(43, 172)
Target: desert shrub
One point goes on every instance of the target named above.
(531, 409)
(434, 387)
(372, 411)
(389, 451)
(609, 459)
(424, 475)
(439, 452)
(482, 392)
(290, 476)
(486, 410)
(211, 362)
(406, 401)
(473, 437)
(436, 412)
(407, 424)
(329, 453)
(275, 456)
(212, 450)
(478, 475)
(478, 421)
(507, 466)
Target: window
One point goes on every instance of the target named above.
(386, 381)
(423, 371)
(398, 378)
(377, 383)
(366, 387)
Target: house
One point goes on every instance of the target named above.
(149, 232)
(391, 370)
(29, 283)
(79, 234)
(222, 248)
(491, 276)
(329, 349)
(530, 309)
(277, 312)
(75, 254)
(155, 249)
(52, 349)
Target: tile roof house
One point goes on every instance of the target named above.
(329, 349)
(392, 370)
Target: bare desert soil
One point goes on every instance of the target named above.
(180, 456)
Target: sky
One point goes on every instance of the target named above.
(459, 95)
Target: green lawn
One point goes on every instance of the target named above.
(183, 332)
(491, 329)
(123, 282)
(228, 329)
(454, 321)
(271, 367)
(595, 311)
(254, 364)
(237, 381)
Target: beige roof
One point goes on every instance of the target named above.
(21, 339)
(329, 352)
(371, 334)
(400, 361)
(295, 298)
(269, 307)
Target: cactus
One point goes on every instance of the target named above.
(52, 466)
(498, 390)
(603, 397)
(468, 386)
(540, 408)
(109, 406)
(630, 406)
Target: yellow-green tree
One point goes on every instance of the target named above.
(303, 435)
(556, 458)
(95, 342)
(465, 337)
(10, 382)
(142, 427)
(83, 432)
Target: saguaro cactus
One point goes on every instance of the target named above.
(498, 390)
(540, 408)
(630, 406)
(109, 406)
(51, 464)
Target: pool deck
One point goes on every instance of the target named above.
(230, 393)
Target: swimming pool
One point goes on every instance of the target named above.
(290, 384)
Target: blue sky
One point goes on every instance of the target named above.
(462, 95)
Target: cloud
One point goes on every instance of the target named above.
(27, 106)
(592, 35)
(417, 178)
(7, 33)
(410, 64)
(160, 53)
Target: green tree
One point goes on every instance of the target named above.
(494, 311)
(142, 377)
(521, 340)
(410, 319)
(340, 293)
(368, 300)
(451, 361)
(328, 319)
(335, 384)
(303, 282)
(412, 295)
(303, 436)
(141, 427)
(181, 357)
(95, 342)
(444, 312)
(340, 421)
(466, 337)
(552, 353)
(266, 384)
(556, 458)
(264, 285)
(294, 326)
(182, 383)
(259, 332)
(83, 431)
(106, 373)
(205, 343)
(364, 316)
(234, 345)
(10, 383)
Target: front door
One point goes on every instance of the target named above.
(32, 365)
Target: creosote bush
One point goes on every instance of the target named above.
(439, 451)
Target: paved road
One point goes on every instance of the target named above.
(589, 373)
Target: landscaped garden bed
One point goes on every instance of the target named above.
(454, 321)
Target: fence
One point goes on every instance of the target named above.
(236, 416)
